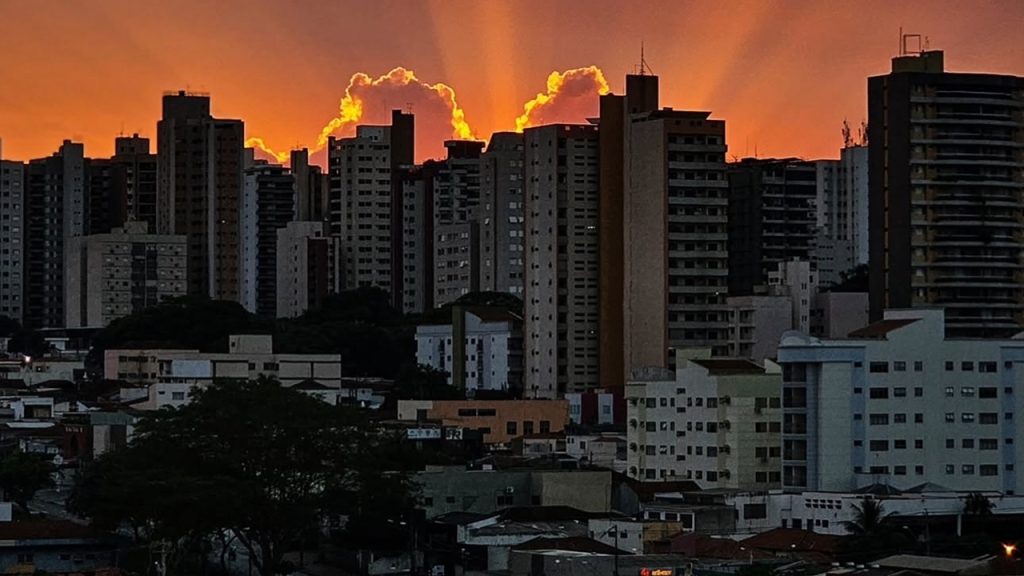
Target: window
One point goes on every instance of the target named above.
(528, 426)
(988, 392)
(878, 393)
(988, 470)
(858, 417)
(510, 428)
(950, 417)
(918, 392)
(949, 391)
(967, 443)
(950, 469)
(899, 444)
(755, 511)
(967, 417)
(950, 443)
(949, 366)
(879, 446)
(967, 469)
(899, 418)
(967, 366)
(988, 444)
(467, 411)
(918, 366)
(899, 366)
(919, 444)
(428, 501)
(900, 470)
(919, 470)
(986, 418)
(899, 392)
(878, 419)
(986, 366)
(967, 391)
(918, 418)
(545, 426)
(878, 367)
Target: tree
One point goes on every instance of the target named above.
(855, 280)
(869, 519)
(266, 463)
(977, 504)
(22, 475)
(8, 326)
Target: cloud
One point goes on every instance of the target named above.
(569, 98)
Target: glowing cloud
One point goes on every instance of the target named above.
(569, 98)
(259, 144)
(370, 101)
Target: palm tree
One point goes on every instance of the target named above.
(977, 504)
(869, 520)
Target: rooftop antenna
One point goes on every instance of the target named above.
(644, 68)
(847, 139)
(904, 50)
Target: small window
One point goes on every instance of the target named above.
(899, 444)
(899, 366)
(950, 469)
(950, 443)
(899, 392)
(918, 366)
(918, 418)
(949, 366)
(987, 367)
(967, 469)
(988, 470)
(988, 392)
(879, 446)
(899, 418)
(919, 444)
(878, 367)
(950, 417)
(878, 393)
(950, 391)
(967, 366)
(918, 392)
(967, 443)
(919, 470)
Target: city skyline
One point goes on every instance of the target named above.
(782, 98)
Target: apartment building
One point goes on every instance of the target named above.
(12, 236)
(561, 297)
(481, 348)
(901, 403)
(268, 205)
(303, 268)
(109, 276)
(500, 214)
(456, 196)
(714, 421)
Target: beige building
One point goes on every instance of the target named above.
(676, 260)
(303, 267)
(108, 276)
(717, 422)
(178, 372)
(561, 299)
(500, 421)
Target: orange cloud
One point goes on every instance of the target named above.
(569, 98)
(370, 101)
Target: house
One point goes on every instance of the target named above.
(52, 546)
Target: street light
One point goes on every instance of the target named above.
(1009, 549)
(614, 530)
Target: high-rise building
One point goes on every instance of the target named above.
(200, 185)
(561, 306)
(615, 121)
(303, 268)
(268, 204)
(501, 214)
(310, 192)
(105, 206)
(138, 178)
(55, 210)
(418, 238)
(842, 207)
(676, 258)
(772, 218)
(111, 275)
(456, 228)
(12, 238)
(365, 203)
(946, 171)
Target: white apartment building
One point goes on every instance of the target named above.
(480, 349)
(899, 403)
(177, 372)
(714, 421)
(12, 237)
(561, 299)
(109, 276)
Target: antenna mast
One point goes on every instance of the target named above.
(644, 68)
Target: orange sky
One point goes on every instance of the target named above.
(782, 74)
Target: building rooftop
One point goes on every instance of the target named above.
(569, 544)
(930, 564)
(881, 329)
(45, 529)
(726, 367)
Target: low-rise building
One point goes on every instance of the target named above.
(756, 324)
(173, 374)
(902, 404)
(717, 422)
(481, 348)
(599, 450)
(500, 421)
(596, 408)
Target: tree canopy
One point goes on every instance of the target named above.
(267, 464)
(22, 475)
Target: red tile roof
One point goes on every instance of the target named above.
(880, 329)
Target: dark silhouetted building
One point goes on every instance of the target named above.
(501, 214)
(946, 173)
(200, 185)
(268, 205)
(12, 238)
(456, 228)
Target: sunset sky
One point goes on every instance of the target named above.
(783, 75)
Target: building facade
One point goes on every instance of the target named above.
(481, 348)
(303, 268)
(456, 228)
(946, 170)
(500, 421)
(717, 422)
(109, 276)
(12, 237)
(561, 201)
(268, 205)
(200, 165)
(501, 215)
(901, 403)
(55, 211)
(676, 233)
